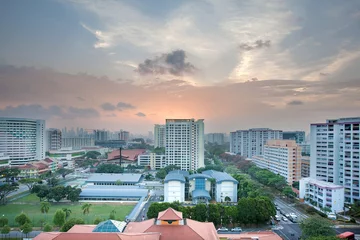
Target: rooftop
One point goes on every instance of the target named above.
(182, 172)
(262, 235)
(321, 184)
(110, 226)
(198, 175)
(220, 176)
(112, 191)
(170, 214)
(113, 177)
(174, 177)
(201, 193)
(126, 154)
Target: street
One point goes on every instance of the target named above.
(143, 212)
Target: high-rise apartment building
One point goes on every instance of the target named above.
(101, 135)
(53, 139)
(124, 135)
(298, 136)
(159, 136)
(77, 142)
(185, 143)
(282, 157)
(22, 140)
(249, 143)
(334, 154)
(218, 138)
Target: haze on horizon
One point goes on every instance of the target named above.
(131, 64)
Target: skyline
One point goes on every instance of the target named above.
(132, 64)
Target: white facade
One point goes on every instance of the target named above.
(282, 157)
(174, 191)
(185, 143)
(218, 138)
(4, 160)
(77, 142)
(322, 194)
(335, 154)
(249, 143)
(53, 139)
(226, 189)
(22, 140)
(159, 137)
(152, 160)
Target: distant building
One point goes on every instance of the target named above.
(4, 160)
(282, 157)
(305, 149)
(174, 187)
(112, 193)
(125, 179)
(185, 143)
(37, 168)
(335, 156)
(152, 160)
(67, 156)
(124, 135)
(101, 135)
(77, 142)
(322, 194)
(53, 139)
(22, 140)
(218, 138)
(249, 143)
(298, 136)
(111, 143)
(305, 166)
(128, 156)
(159, 136)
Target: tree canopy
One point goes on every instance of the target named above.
(29, 182)
(316, 227)
(109, 168)
(70, 223)
(59, 218)
(6, 189)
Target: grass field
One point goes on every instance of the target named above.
(31, 206)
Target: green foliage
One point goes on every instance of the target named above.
(64, 171)
(67, 212)
(44, 207)
(324, 238)
(149, 177)
(9, 173)
(159, 150)
(200, 212)
(287, 191)
(26, 228)
(48, 228)
(29, 182)
(249, 188)
(267, 178)
(22, 218)
(70, 223)
(161, 174)
(3, 221)
(86, 208)
(92, 155)
(52, 182)
(109, 168)
(59, 218)
(5, 229)
(73, 194)
(6, 189)
(98, 220)
(214, 149)
(219, 168)
(296, 185)
(316, 227)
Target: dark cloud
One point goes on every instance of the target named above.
(108, 106)
(255, 45)
(323, 74)
(140, 114)
(81, 99)
(170, 63)
(295, 103)
(38, 111)
(123, 106)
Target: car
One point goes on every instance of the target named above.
(277, 208)
(236, 229)
(284, 219)
(287, 215)
(223, 229)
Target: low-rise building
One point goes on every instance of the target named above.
(4, 160)
(282, 157)
(128, 156)
(174, 186)
(322, 194)
(225, 186)
(114, 179)
(66, 156)
(112, 193)
(305, 166)
(152, 160)
(52, 164)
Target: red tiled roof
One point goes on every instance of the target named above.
(47, 235)
(40, 165)
(97, 236)
(48, 160)
(205, 230)
(177, 232)
(262, 235)
(26, 166)
(81, 229)
(127, 154)
(133, 227)
(170, 214)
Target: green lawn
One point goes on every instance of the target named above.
(31, 206)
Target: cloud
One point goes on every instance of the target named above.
(108, 106)
(80, 99)
(295, 103)
(124, 106)
(256, 45)
(171, 63)
(323, 74)
(140, 114)
(38, 111)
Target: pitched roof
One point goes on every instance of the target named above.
(170, 214)
(220, 176)
(262, 235)
(177, 232)
(48, 160)
(133, 227)
(110, 226)
(126, 154)
(174, 177)
(205, 230)
(200, 193)
(81, 229)
(96, 236)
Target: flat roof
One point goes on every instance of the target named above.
(174, 177)
(112, 191)
(322, 184)
(220, 176)
(113, 177)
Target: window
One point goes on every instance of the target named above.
(199, 184)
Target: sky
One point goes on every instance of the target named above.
(113, 64)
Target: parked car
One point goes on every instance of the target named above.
(287, 215)
(284, 219)
(277, 208)
(236, 229)
(223, 229)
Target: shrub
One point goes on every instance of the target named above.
(70, 223)
(3, 221)
(97, 220)
(22, 218)
(48, 228)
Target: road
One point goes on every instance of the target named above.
(144, 210)
(287, 208)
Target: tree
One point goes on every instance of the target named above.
(44, 207)
(48, 228)
(22, 218)
(296, 185)
(227, 199)
(57, 193)
(161, 174)
(97, 220)
(64, 171)
(26, 228)
(5, 229)
(74, 194)
(70, 223)
(59, 218)
(67, 212)
(6, 189)
(200, 212)
(287, 191)
(52, 182)
(324, 238)
(316, 227)
(3, 221)
(86, 208)
(30, 182)
(92, 155)
(118, 182)
(159, 150)
(9, 173)
(149, 177)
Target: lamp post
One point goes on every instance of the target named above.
(120, 155)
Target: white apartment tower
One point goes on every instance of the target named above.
(334, 154)
(159, 137)
(185, 143)
(249, 143)
(22, 140)
(53, 139)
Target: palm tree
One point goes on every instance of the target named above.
(86, 208)
(67, 212)
(44, 207)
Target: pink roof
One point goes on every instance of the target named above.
(262, 235)
(170, 214)
(97, 236)
(81, 229)
(127, 154)
(26, 166)
(205, 230)
(47, 235)
(48, 160)
(40, 165)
